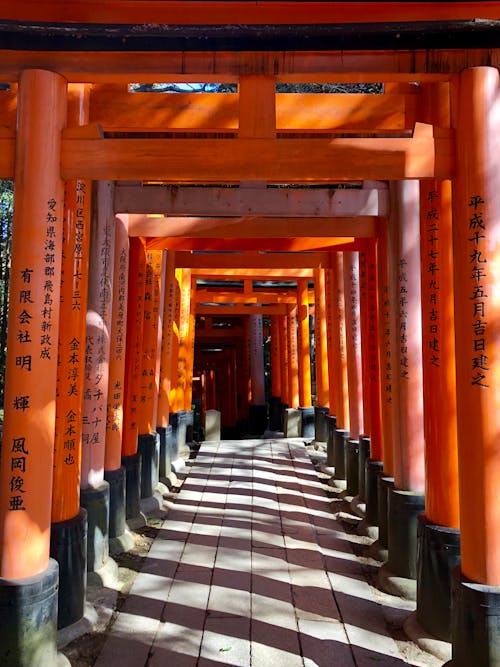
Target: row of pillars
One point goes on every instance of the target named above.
(415, 370)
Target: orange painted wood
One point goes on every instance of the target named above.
(166, 347)
(188, 395)
(340, 385)
(330, 297)
(303, 345)
(438, 354)
(219, 12)
(253, 260)
(174, 373)
(255, 274)
(477, 317)
(257, 297)
(133, 353)
(117, 347)
(353, 343)
(148, 388)
(208, 112)
(293, 358)
(409, 471)
(276, 357)
(218, 310)
(70, 371)
(252, 227)
(257, 106)
(322, 393)
(268, 245)
(256, 360)
(283, 368)
(387, 355)
(31, 370)
(272, 160)
(97, 342)
(370, 348)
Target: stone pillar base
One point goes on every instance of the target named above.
(149, 448)
(364, 455)
(28, 619)
(320, 423)
(404, 508)
(438, 553)
(116, 481)
(257, 419)
(132, 465)
(475, 623)
(307, 424)
(68, 546)
(339, 452)
(190, 428)
(275, 413)
(331, 424)
(372, 471)
(96, 502)
(165, 462)
(379, 549)
(212, 425)
(351, 466)
(178, 422)
(291, 427)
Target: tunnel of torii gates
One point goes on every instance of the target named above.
(152, 237)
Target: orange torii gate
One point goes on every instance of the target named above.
(262, 143)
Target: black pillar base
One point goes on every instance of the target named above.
(320, 423)
(364, 455)
(189, 428)
(132, 465)
(178, 422)
(283, 408)
(28, 619)
(68, 546)
(96, 502)
(116, 481)
(149, 448)
(331, 424)
(307, 427)
(351, 466)
(275, 413)
(404, 508)
(339, 452)
(438, 553)
(257, 419)
(385, 485)
(475, 623)
(165, 463)
(372, 471)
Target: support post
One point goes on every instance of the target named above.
(293, 357)
(258, 408)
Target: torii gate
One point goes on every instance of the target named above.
(45, 150)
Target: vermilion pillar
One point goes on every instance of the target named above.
(30, 392)
(257, 408)
(340, 384)
(283, 334)
(476, 238)
(406, 501)
(303, 346)
(276, 364)
(322, 394)
(293, 361)
(353, 343)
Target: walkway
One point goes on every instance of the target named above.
(251, 568)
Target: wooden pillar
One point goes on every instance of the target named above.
(339, 386)
(188, 396)
(31, 372)
(303, 345)
(167, 333)
(322, 393)
(114, 424)
(257, 360)
(283, 369)
(276, 357)
(353, 343)
(133, 355)
(293, 360)
(28, 430)
(175, 388)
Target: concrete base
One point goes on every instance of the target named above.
(404, 508)
(121, 543)
(357, 507)
(320, 423)
(351, 466)
(165, 462)
(384, 486)
(275, 413)
(401, 587)
(149, 449)
(475, 623)
(292, 425)
(190, 428)
(339, 452)
(372, 470)
(132, 465)
(107, 576)
(212, 425)
(307, 422)
(68, 546)
(331, 424)
(178, 422)
(419, 636)
(438, 554)
(96, 502)
(363, 456)
(116, 481)
(28, 619)
(85, 624)
(365, 529)
(257, 419)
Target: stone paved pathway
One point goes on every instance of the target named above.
(251, 569)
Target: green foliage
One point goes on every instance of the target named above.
(6, 210)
